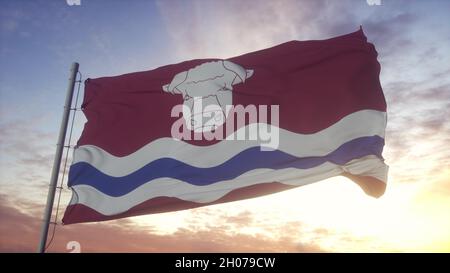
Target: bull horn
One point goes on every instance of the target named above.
(239, 70)
(249, 73)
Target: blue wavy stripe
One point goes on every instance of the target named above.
(252, 158)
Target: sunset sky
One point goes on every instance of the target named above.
(40, 39)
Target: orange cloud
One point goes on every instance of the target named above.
(21, 225)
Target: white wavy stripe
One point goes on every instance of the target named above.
(359, 124)
(108, 205)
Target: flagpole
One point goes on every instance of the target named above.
(57, 160)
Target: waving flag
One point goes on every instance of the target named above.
(210, 131)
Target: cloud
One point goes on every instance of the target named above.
(389, 33)
(204, 29)
(21, 224)
(242, 219)
(418, 126)
(401, 92)
(27, 153)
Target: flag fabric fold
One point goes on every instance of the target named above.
(331, 120)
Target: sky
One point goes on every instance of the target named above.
(40, 39)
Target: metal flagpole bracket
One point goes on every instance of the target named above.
(58, 156)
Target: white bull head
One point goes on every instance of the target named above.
(210, 83)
